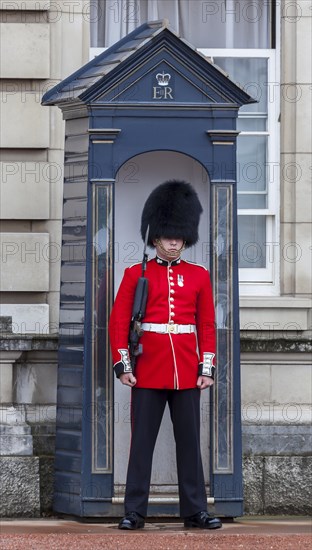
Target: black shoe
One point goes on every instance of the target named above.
(203, 520)
(132, 520)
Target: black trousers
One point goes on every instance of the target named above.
(147, 410)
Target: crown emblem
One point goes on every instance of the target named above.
(163, 78)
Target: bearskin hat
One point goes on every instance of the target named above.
(172, 210)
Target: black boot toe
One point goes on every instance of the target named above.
(202, 520)
(131, 521)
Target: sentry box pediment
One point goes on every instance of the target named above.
(151, 65)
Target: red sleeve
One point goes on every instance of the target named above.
(205, 323)
(119, 322)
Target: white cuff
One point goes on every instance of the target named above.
(208, 366)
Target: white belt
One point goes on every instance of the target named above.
(163, 328)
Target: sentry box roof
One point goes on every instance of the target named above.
(138, 68)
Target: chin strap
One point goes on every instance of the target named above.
(175, 254)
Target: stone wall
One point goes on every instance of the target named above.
(276, 417)
(27, 423)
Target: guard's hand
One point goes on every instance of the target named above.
(204, 382)
(128, 379)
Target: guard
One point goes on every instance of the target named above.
(175, 357)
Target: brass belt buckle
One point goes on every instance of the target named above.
(173, 328)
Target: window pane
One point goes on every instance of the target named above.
(219, 24)
(252, 168)
(205, 24)
(252, 124)
(252, 241)
(251, 201)
(251, 163)
(252, 75)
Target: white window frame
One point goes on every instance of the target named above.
(263, 281)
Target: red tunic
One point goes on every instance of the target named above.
(178, 292)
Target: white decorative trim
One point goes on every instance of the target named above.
(125, 359)
(208, 364)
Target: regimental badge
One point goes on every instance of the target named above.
(180, 280)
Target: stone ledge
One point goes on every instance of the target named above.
(274, 302)
(274, 344)
(268, 343)
(286, 440)
(28, 342)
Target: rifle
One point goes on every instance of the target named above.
(138, 310)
